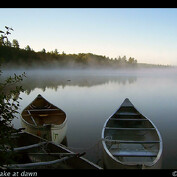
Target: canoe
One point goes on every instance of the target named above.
(34, 152)
(45, 120)
(130, 140)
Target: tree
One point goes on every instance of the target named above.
(1, 40)
(43, 50)
(124, 59)
(132, 60)
(4, 35)
(63, 53)
(28, 48)
(56, 52)
(8, 109)
(15, 43)
(119, 59)
(8, 43)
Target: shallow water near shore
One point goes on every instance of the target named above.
(90, 97)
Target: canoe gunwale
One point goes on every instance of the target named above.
(148, 164)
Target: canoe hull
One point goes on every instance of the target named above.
(44, 119)
(130, 140)
(35, 157)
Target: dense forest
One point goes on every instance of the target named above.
(11, 56)
(15, 56)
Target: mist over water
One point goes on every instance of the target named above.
(89, 97)
(65, 73)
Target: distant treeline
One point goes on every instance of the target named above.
(12, 55)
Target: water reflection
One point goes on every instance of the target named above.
(52, 79)
(44, 82)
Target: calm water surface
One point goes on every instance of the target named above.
(89, 98)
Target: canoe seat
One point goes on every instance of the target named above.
(125, 119)
(130, 141)
(127, 114)
(131, 150)
(134, 154)
(141, 129)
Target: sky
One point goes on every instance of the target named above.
(148, 35)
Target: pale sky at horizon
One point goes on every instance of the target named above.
(148, 35)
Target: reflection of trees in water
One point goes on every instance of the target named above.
(44, 80)
(53, 83)
(124, 80)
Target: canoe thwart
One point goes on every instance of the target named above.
(33, 110)
(124, 119)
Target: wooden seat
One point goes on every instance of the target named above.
(131, 150)
(130, 141)
(141, 129)
(125, 119)
(134, 154)
(127, 114)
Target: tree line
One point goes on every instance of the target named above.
(12, 54)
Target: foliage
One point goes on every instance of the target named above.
(8, 110)
(4, 39)
(15, 43)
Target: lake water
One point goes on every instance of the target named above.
(90, 97)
